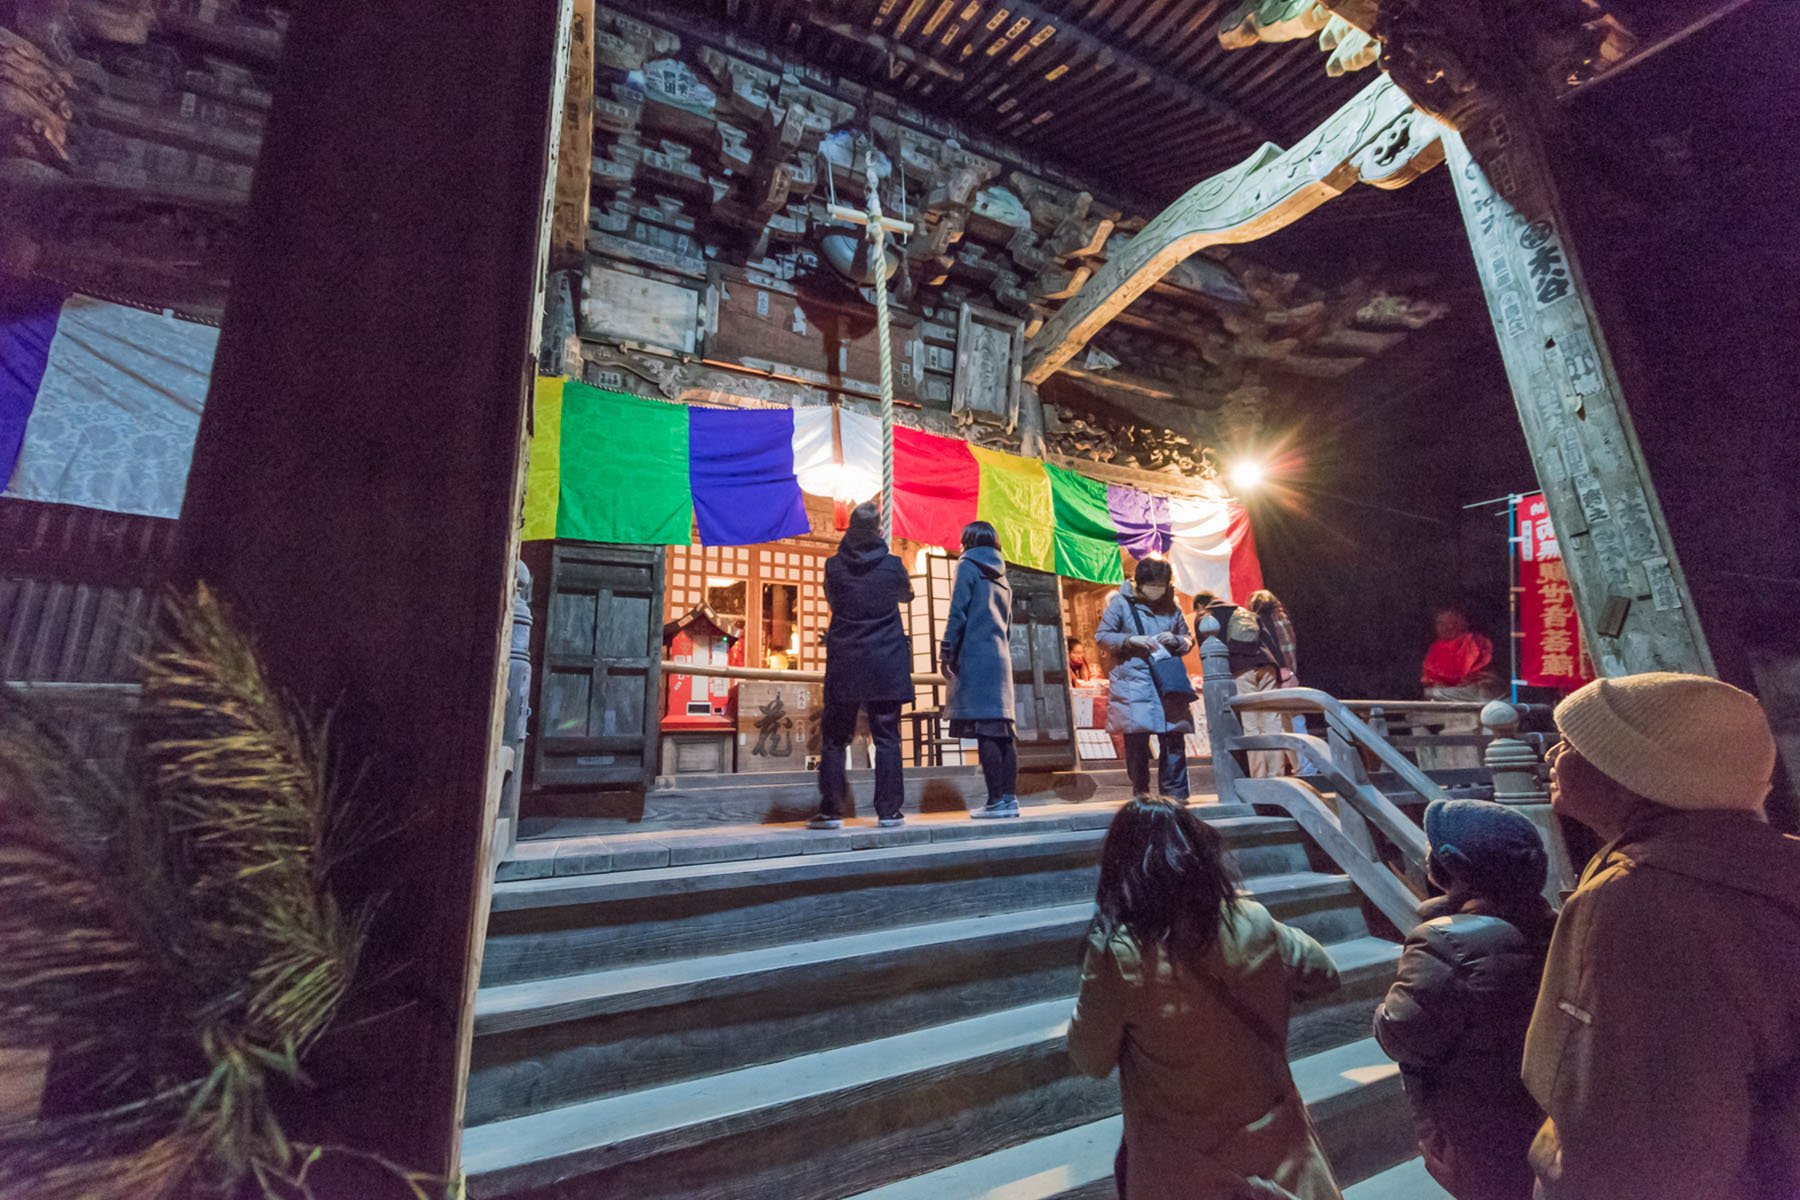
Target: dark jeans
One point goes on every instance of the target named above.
(1171, 767)
(999, 766)
(837, 726)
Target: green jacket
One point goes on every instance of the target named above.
(1665, 1045)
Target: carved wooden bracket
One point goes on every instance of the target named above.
(1378, 138)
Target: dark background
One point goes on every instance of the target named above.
(1679, 179)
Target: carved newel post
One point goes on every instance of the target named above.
(518, 710)
(1519, 782)
(1216, 690)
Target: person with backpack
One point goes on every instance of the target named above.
(1255, 648)
(1142, 625)
(1456, 1015)
(1186, 987)
(976, 656)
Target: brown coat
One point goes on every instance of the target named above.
(1206, 1101)
(1665, 1047)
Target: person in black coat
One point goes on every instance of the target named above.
(1455, 1018)
(976, 656)
(868, 665)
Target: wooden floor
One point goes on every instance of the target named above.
(763, 1010)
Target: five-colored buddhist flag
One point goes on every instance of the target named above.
(615, 468)
(1015, 499)
(1087, 539)
(622, 469)
(741, 467)
(1141, 518)
(936, 488)
(1211, 549)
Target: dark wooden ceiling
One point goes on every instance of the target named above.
(1136, 95)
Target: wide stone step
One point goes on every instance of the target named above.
(823, 1124)
(566, 925)
(1408, 1181)
(1339, 1086)
(557, 1041)
(702, 801)
(636, 850)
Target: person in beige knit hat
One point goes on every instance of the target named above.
(1665, 1045)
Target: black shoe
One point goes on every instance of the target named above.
(825, 822)
(891, 822)
(1005, 806)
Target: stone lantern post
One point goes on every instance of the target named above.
(1520, 781)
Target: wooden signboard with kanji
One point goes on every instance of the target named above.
(809, 335)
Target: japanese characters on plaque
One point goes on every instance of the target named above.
(1571, 410)
(1552, 653)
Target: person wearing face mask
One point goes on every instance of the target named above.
(1142, 620)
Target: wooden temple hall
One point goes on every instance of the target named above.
(429, 427)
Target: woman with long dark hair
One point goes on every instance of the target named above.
(1186, 987)
(976, 656)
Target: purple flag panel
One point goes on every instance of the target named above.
(27, 324)
(741, 469)
(1142, 520)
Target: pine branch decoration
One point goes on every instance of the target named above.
(173, 940)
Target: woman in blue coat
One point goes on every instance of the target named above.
(1140, 621)
(976, 656)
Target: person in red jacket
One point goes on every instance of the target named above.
(1458, 666)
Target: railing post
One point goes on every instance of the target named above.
(1217, 687)
(518, 710)
(1519, 783)
(1349, 763)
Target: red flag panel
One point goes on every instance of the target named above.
(936, 485)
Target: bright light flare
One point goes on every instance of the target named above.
(1247, 475)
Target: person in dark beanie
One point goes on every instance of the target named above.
(1665, 1048)
(1456, 1016)
(868, 665)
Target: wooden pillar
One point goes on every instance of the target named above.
(1633, 600)
(355, 486)
(575, 144)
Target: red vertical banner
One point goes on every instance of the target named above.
(1552, 653)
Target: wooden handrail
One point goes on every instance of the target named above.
(1345, 835)
(1365, 797)
(1390, 894)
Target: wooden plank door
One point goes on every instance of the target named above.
(1046, 737)
(602, 667)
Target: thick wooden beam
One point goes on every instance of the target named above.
(1377, 138)
(1628, 585)
(355, 487)
(575, 145)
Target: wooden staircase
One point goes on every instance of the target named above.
(875, 1013)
